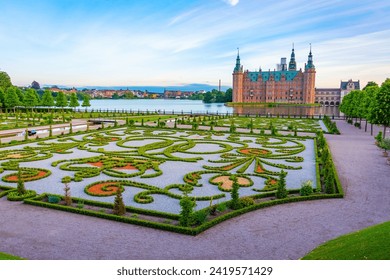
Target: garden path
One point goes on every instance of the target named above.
(280, 232)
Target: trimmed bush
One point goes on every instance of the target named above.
(15, 196)
(119, 206)
(199, 217)
(187, 204)
(53, 199)
(306, 188)
(281, 191)
(246, 201)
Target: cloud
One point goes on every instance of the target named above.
(194, 43)
(232, 2)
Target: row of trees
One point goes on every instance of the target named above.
(11, 96)
(14, 96)
(372, 104)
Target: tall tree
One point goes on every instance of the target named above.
(381, 108)
(20, 94)
(2, 95)
(5, 81)
(370, 84)
(73, 101)
(357, 104)
(369, 95)
(47, 99)
(86, 102)
(208, 97)
(229, 95)
(61, 100)
(219, 97)
(11, 98)
(30, 98)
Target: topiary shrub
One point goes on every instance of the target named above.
(329, 183)
(378, 137)
(385, 144)
(53, 198)
(187, 204)
(281, 191)
(235, 202)
(68, 199)
(306, 188)
(246, 201)
(20, 187)
(221, 207)
(119, 206)
(15, 196)
(199, 217)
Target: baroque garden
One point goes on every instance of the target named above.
(180, 173)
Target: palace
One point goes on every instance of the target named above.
(284, 85)
(334, 96)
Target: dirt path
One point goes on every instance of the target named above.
(280, 232)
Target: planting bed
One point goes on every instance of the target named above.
(155, 168)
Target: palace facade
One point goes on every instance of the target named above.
(334, 96)
(287, 84)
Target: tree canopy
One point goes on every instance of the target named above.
(47, 99)
(61, 100)
(11, 98)
(5, 81)
(372, 103)
(30, 98)
(381, 108)
(73, 101)
(86, 102)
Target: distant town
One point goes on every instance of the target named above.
(130, 93)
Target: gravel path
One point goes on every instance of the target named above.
(280, 232)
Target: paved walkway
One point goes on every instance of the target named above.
(280, 232)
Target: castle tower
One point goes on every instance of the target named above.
(292, 66)
(238, 79)
(309, 79)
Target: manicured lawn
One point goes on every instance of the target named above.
(4, 256)
(372, 243)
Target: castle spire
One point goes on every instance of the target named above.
(310, 64)
(292, 66)
(238, 63)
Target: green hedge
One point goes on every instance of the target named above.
(4, 190)
(15, 196)
(28, 174)
(184, 230)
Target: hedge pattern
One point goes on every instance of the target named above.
(131, 156)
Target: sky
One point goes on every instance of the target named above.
(162, 43)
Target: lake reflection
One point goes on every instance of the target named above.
(287, 110)
(169, 106)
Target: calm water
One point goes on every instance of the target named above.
(197, 106)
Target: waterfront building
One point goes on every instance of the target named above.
(334, 96)
(178, 94)
(287, 84)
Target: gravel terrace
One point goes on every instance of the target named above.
(280, 232)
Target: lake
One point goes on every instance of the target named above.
(198, 107)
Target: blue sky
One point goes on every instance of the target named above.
(115, 43)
